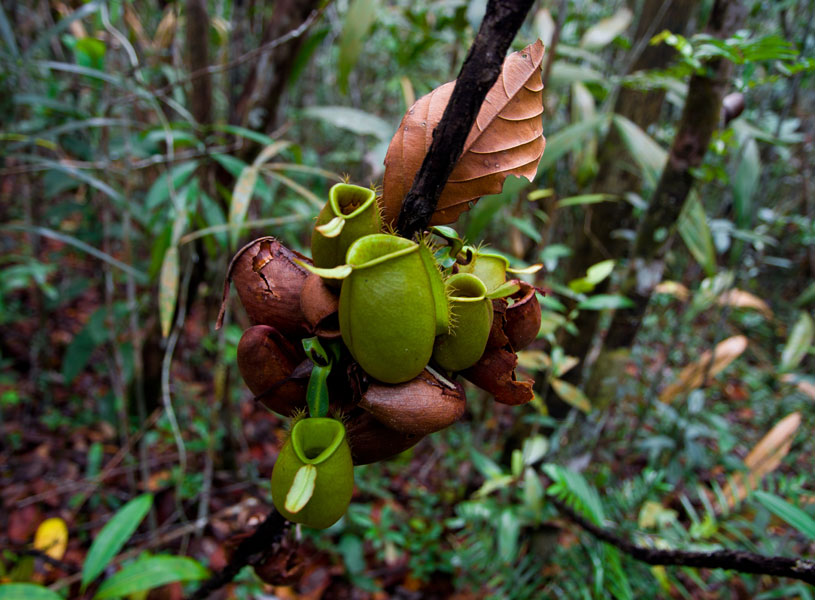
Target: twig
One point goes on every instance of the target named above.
(59, 564)
(166, 394)
(479, 72)
(551, 51)
(116, 459)
(735, 560)
(213, 69)
(253, 550)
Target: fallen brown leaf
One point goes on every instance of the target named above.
(764, 458)
(693, 375)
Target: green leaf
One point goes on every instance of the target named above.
(527, 227)
(113, 536)
(533, 490)
(317, 391)
(159, 192)
(7, 34)
(351, 119)
(596, 273)
(807, 296)
(45, 39)
(552, 254)
(90, 53)
(26, 591)
(605, 302)
(302, 488)
(359, 18)
(695, 232)
(168, 289)
(793, 515)
(649, 156)
(150, 573)
(486, 466)
(565, 73)
(214, 217)
(298, 188)
(567, 139)
(240, 201)
(249, 134)
(745, 184)
(573, 488)
(509, 529)
(571, 394)
(305, 53)
(798, 342)
(586, 199)
(79, 351)
(534, 449)
(270, 152)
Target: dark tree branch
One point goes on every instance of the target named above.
(735, 560)
(479, 72)
(59, 564)
(251, 551)
(197, 46)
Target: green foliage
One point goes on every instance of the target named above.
(148, 573)
(113, 536)
(112, 195)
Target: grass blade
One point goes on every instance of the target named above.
(72, 241)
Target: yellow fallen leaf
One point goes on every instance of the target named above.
(51, 538)
(694, 374)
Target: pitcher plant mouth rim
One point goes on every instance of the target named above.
(450, 284)
(405, 250)
(330, 448)
(334, 202)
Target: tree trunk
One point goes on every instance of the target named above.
(700, 118)
(197, 47)
(618, 174)
(257, 107)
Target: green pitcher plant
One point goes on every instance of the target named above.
(392, 303)
(471, 316)
(313, 476)
(350, 213)
(387, 308)
(492, 268)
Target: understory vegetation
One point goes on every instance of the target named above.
(142, 143)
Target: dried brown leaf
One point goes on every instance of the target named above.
(763, 458)
(804, 386)
(693, 375)
(506, 139)
(741, 299)
(673, 288)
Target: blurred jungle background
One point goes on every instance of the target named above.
(142, 142)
